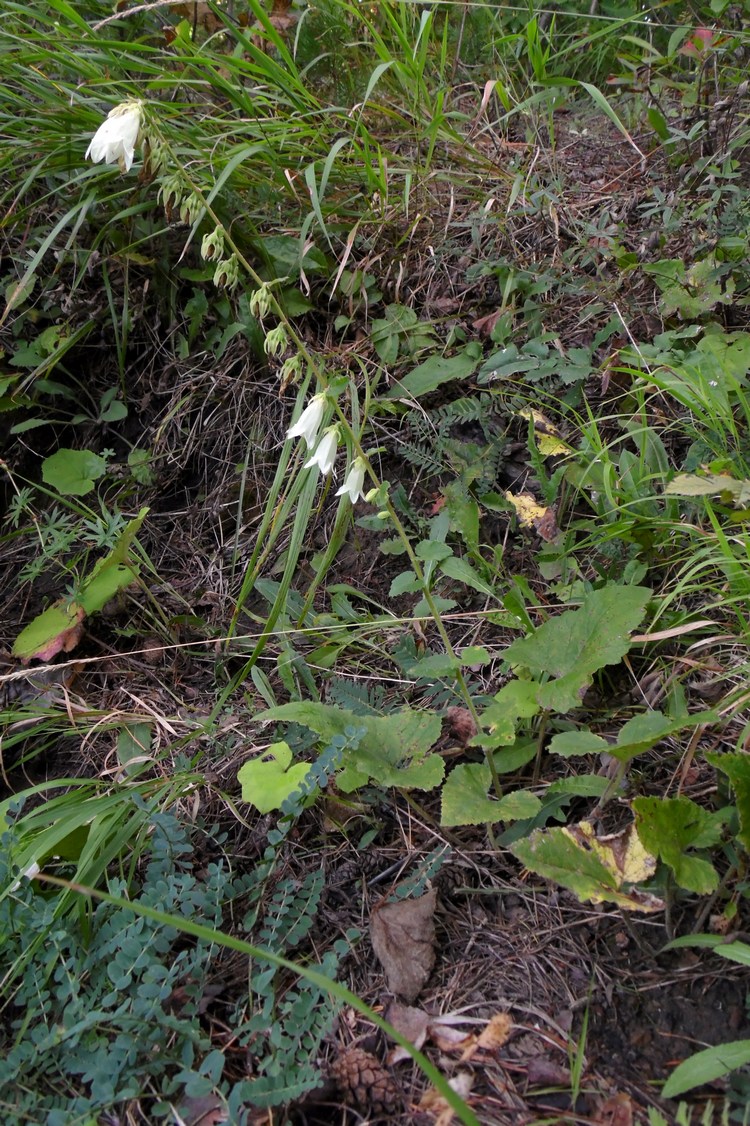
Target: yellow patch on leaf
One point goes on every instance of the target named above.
(621, 853)
(548, 439)
(532, 514)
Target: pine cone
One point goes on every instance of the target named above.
(363, 1082)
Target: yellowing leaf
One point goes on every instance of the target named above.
(568, 857)
(712, 484)
(551, 446)
(621, 853)
(532, 514)
(547, 435)
(528, 509)
(539, 420)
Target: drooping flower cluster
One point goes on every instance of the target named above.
(324, 452)
(115, 140)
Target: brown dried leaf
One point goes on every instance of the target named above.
(616, 1111)
(542, 1072)
(205, 1110)
(201, 15)
(495, 1033)
(485, 325)
(493, 1036)
(451, 1039)
(411, 1023)
(403, 939)
(433, 1102)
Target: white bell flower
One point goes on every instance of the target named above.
(325, 453)
(354, 481)
(115, 140)
(309, 421)
(29, 873)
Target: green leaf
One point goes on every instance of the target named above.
(580, 785)
(638, 735)
(668, 827)
(115, 412)
(134, 746)
(644, 731)
(57, 628)
(268, 780)
(433, 372)
(465, 800)
(392, 751)
(437, 664)
(431, 552)
(405, 583)
(73, 472)
(515, 700)
(577, 743)
(518, 806)
(706, 1066)
(519, 698)
(365, 766)
(737, 769)
(388, 332)
(442, 605)
(510, 758)
(463, 512)
(463, 572)
(733, 951)
(574, 645)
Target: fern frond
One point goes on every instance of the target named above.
(362, 699)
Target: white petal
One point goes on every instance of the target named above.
(308, 422)
(353, 482)
(325, 454)
(115, 140)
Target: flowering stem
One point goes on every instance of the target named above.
(275, 305)
(315, 369)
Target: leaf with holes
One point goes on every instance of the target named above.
(268, 780)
